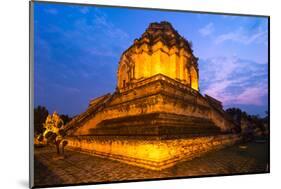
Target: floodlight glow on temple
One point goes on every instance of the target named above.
(157, 116)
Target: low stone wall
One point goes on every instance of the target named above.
(152, 154)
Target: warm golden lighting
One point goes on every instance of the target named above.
(147, 58)
(154, 99)
(146, 65)
(194, 78)
(151, 154)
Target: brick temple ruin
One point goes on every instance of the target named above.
(156, 117)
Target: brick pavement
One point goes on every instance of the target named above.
(83, 168)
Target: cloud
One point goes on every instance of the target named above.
(66, 89)
(100, 52)
(243, 36)
(84, 10)
(72, 54)
(233, 80)
(52, 11)
(94, 34)
(253, 95)
(207, 30)
(43, 49)
(99, 37)
(101, 21)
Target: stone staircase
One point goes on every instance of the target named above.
(157, 124)
(93, 108)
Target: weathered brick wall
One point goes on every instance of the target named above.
(155, 96)
(151, 154)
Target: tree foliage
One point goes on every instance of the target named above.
(40, 115)
(254, 120)
(65, 118)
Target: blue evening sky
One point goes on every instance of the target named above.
(77, 49)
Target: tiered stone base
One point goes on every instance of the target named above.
(148, 151)
(163, 125)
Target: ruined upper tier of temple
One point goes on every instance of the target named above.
(160, 50)
(156, 117)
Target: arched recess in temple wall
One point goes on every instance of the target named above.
(123, 77)
(186, 75)
(194, 78)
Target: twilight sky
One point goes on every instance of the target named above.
(77, 49)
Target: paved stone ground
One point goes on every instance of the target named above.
(82, 168)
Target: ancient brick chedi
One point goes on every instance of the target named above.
(156, 117)
(160, 50)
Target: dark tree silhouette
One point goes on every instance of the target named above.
(65, 118)
(235, 113)
(255, 121)
(265, 119)
(40, 115)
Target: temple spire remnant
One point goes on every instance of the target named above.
(157, 116)
(159, 50)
